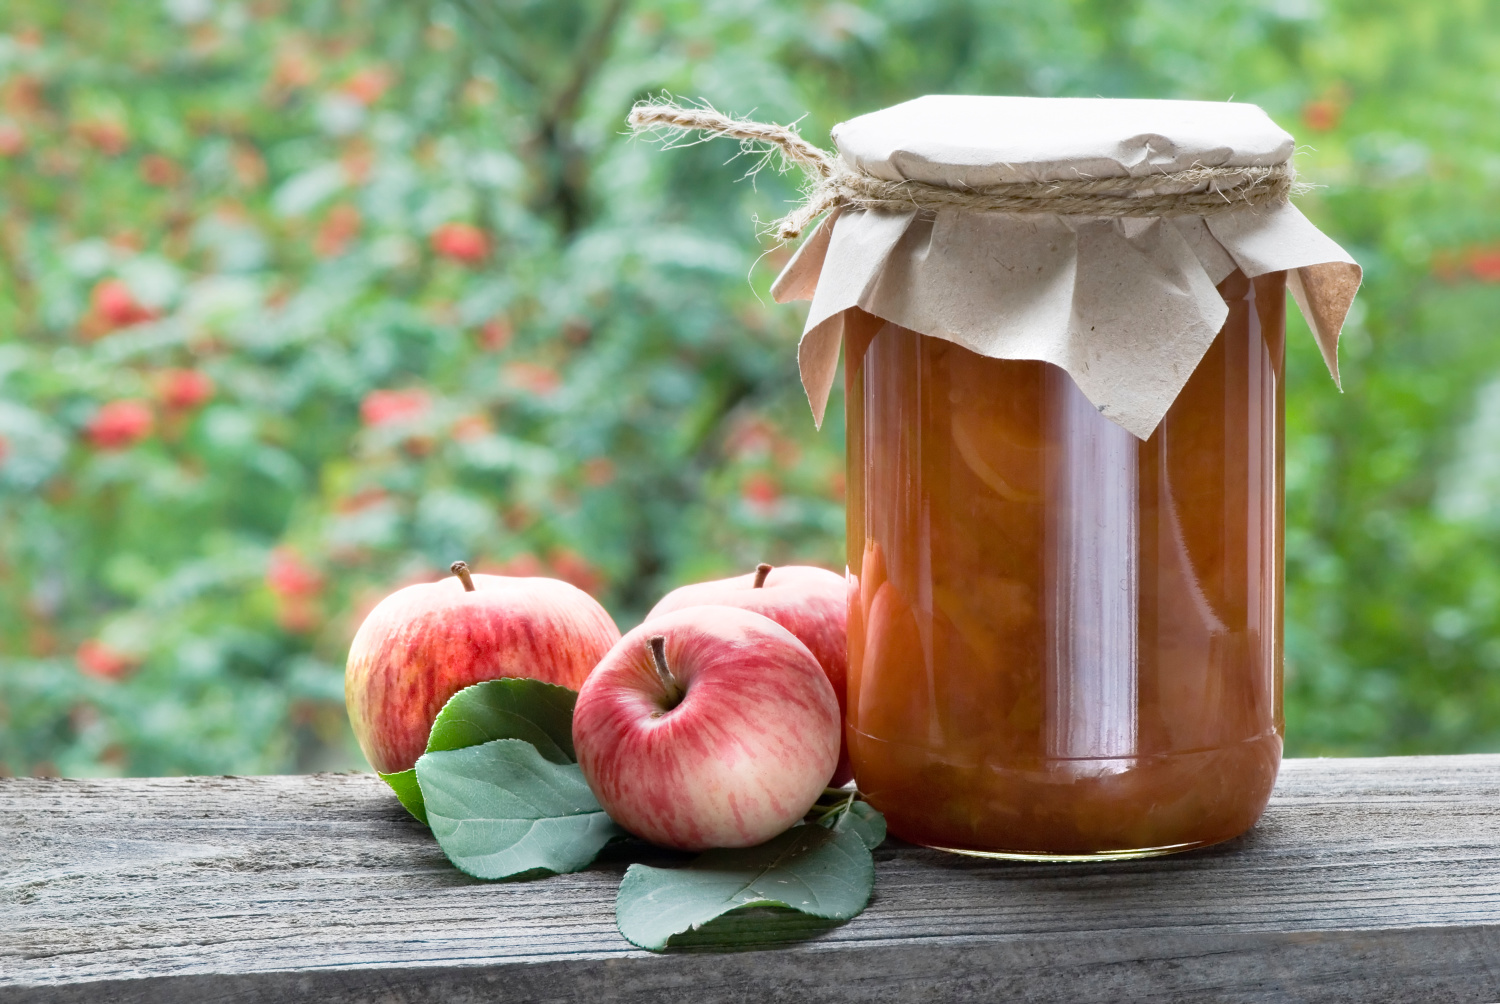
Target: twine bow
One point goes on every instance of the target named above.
(1195, 191)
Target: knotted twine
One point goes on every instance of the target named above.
(1195, 191)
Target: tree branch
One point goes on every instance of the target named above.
(585, 64)
(570, 171)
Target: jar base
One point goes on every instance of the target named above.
(1131, 854)
(1099, 809)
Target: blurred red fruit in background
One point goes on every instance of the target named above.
(108, 136)
(289, 575)
(295, 67)
(1484, 264)
(160, 171)
(495, 333)
(120, 424)
(571, 567)
(360, 500)
(598, 471)
(1322, 115)
(12, 139)
(750, 438)
(382, 407)
(532, 377)
(183, 390)
(368, 84)
(115, 305)
(471, 427)
(341, 226)
(247, 165)
(760, 489)
(460, 241)
(98, 660)
(24, 95)
(298, 616)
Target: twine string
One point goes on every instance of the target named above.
(1195, 191)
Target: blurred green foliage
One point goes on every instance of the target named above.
(303, 301)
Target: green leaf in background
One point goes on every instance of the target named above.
(823, 871)
(501, 809)
(530, 710)
(404, 784)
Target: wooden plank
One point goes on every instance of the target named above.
(1367, 880)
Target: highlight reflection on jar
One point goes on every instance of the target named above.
(1064, 641)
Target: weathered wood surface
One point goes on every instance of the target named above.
(1367, 880)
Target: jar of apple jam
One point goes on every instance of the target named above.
(1063, 330)
(1065, 641)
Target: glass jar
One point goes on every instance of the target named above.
(1065, 642)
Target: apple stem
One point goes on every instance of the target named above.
(658, 644)
(761, 571)
(461, 569)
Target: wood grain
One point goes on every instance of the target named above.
(1367, 880)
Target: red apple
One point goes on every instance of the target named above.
(425, 643)
(707, 727)
(811, 603)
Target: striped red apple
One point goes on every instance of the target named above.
(426, 642)
(709, 726)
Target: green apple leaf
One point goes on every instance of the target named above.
(509, 708)
(862, 819)
(754, 927)
(539, 713)
(404, 784)
(825, 872)
(501, 809)
(845, 809)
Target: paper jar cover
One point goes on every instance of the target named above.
(1127, 306)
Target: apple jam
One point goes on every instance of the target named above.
(1064, 641)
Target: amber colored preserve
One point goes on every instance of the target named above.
(1063, 641)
